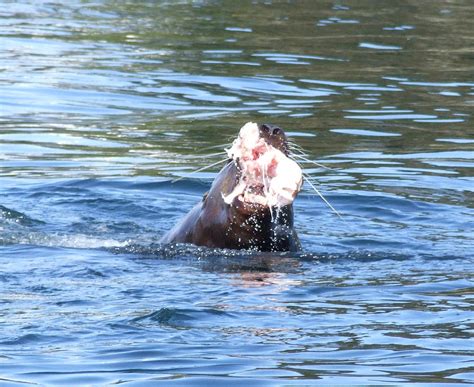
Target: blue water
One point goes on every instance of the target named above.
(104, 104)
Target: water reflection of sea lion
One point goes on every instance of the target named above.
(249, 205)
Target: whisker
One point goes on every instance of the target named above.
(199, 170)
(220, 146)
(295, 145)
(297, 150)
(223, 153)
(294, 152)
(322, 197)
(314, 162)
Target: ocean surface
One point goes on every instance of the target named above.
(107, 108)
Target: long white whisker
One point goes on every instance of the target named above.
(322, 197)
(200, 170)
(297, 151)
(294, 148)
(310, 178)
(313, 162)
(220, 146)
(293, 154)
(295, 145)
(223, 153)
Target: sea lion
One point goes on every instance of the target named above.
(249, 205)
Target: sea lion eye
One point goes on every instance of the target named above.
(276, 131)
(266, 128)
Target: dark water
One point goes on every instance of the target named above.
(103, 103)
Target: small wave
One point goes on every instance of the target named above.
(32, 338)
(176, 317)
(183, 250)
(238, 260)
(78, 241)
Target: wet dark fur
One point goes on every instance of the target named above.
(214, 223)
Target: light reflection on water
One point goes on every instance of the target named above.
(101, 104)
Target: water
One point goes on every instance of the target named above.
(103, 103)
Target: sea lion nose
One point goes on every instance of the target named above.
(276, 131)
(265, 128)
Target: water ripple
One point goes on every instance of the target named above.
(103, 104)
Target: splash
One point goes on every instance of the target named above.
(76, 241)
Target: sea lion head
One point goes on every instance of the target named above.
(266, 177)
(257, 188)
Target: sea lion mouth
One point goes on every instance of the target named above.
(268, 177)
